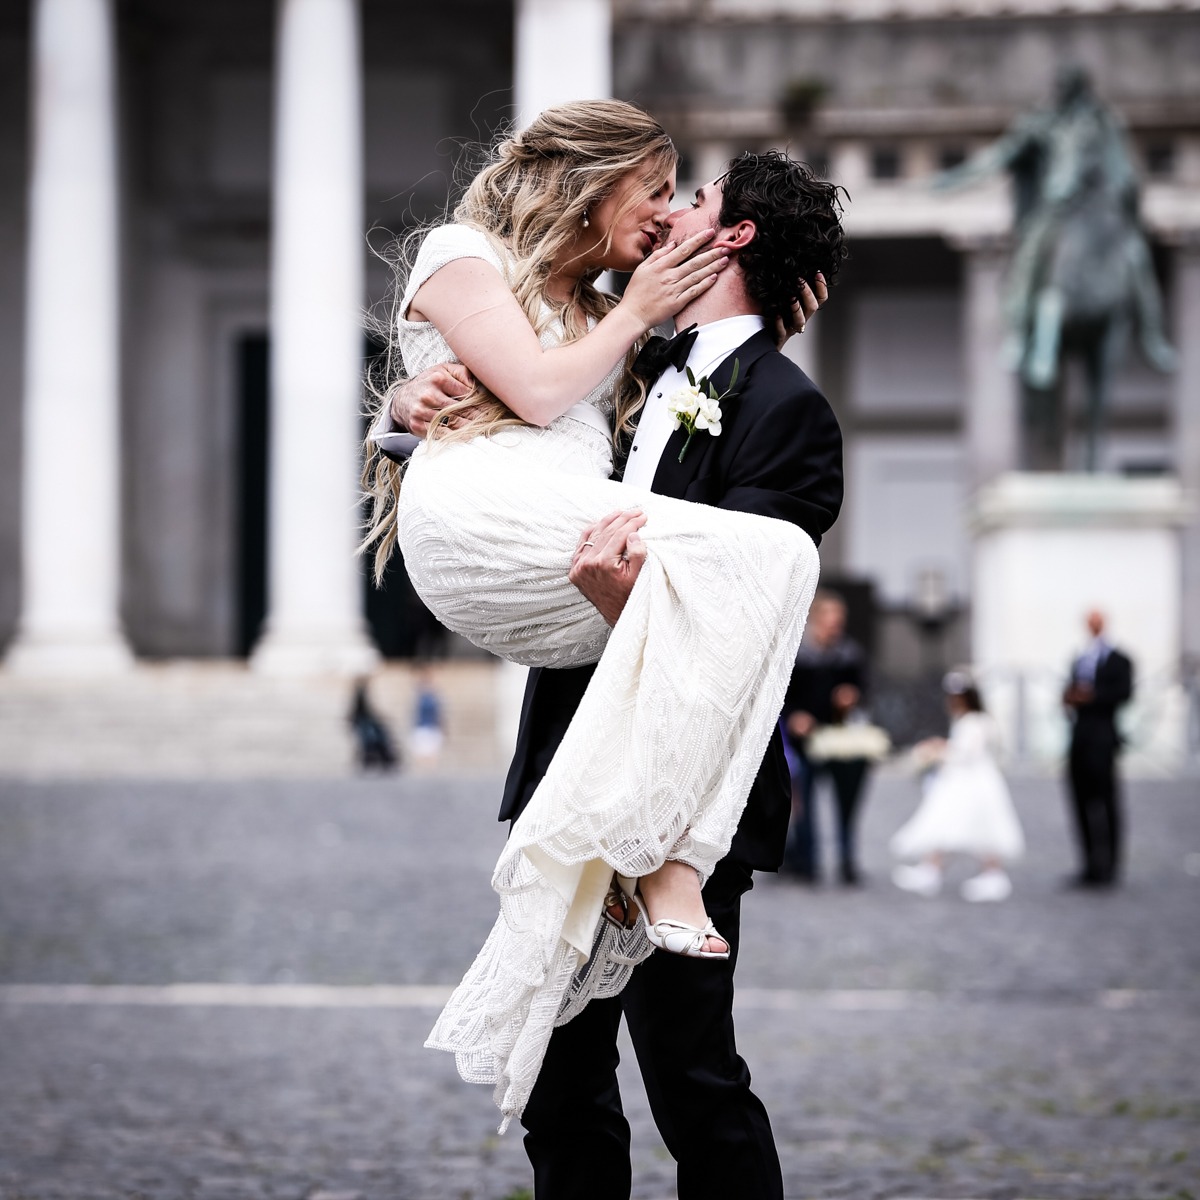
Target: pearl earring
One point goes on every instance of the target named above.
(586, 222)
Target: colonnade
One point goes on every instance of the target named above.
(71, 520)
(71, 513)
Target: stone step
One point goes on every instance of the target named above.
(202, 720)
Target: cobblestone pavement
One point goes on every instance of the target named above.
(1047, 1048)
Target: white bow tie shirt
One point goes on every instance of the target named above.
(1089, 661)
(714, 343)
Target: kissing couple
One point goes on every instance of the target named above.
(637, 521)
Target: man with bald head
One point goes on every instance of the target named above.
(1101, 681)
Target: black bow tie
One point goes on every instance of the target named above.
(659, 353)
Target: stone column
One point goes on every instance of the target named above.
(70, 519)
(315, 592)
(563, 52)
(992, 414)
(1186, 427)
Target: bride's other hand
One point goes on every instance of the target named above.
(672, 276)
(804, 308)
(416, 401)
(608, 560)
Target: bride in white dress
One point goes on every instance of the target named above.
(652, 776)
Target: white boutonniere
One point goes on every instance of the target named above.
(698, 406)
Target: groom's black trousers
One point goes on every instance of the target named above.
(678, 1011)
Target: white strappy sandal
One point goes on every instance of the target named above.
(620, 908)
(676, 937)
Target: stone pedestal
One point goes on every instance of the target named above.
(1185, 431)
(1047, 550)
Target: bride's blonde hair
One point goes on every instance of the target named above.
(530, 199)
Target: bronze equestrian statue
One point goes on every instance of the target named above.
(1081, 275)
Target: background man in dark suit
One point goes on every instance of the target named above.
(778, 455)
(1101, 681)
(827, 686)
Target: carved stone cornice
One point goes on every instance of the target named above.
(850, 11)
(986, 244)
(690, 115)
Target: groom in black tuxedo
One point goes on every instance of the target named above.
(779, 454)
(1101, 681)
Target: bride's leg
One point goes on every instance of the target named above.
(673, 892)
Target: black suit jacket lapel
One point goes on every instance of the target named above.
(624, 441)
(672, 477)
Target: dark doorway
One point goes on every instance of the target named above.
(401, 625)
(250, 534)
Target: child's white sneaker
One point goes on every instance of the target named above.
(923, 878)
(988, 886)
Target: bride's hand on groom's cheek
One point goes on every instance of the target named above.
(608, 560)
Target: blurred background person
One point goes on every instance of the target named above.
(826, 691)
(428, 731)
(1101, 681)
(376, 747)
(966, 807)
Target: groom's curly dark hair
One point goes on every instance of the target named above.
(798, 221)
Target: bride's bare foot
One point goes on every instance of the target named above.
(673, 893)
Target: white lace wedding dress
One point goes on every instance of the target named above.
(662, 752)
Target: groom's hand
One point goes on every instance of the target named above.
(416, 401)
(608, 560)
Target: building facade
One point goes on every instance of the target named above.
(184, 187)
(882, 94)
(188, 194)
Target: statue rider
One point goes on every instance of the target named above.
(1060, 158)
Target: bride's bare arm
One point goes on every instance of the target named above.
(415, 402)
(479, 317)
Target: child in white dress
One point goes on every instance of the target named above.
(966, 809)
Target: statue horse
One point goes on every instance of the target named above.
(1095, 283)
(1082, 273)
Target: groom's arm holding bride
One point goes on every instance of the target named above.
(610, 554)
(784, 461)
(778, 456)
(415, 402)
